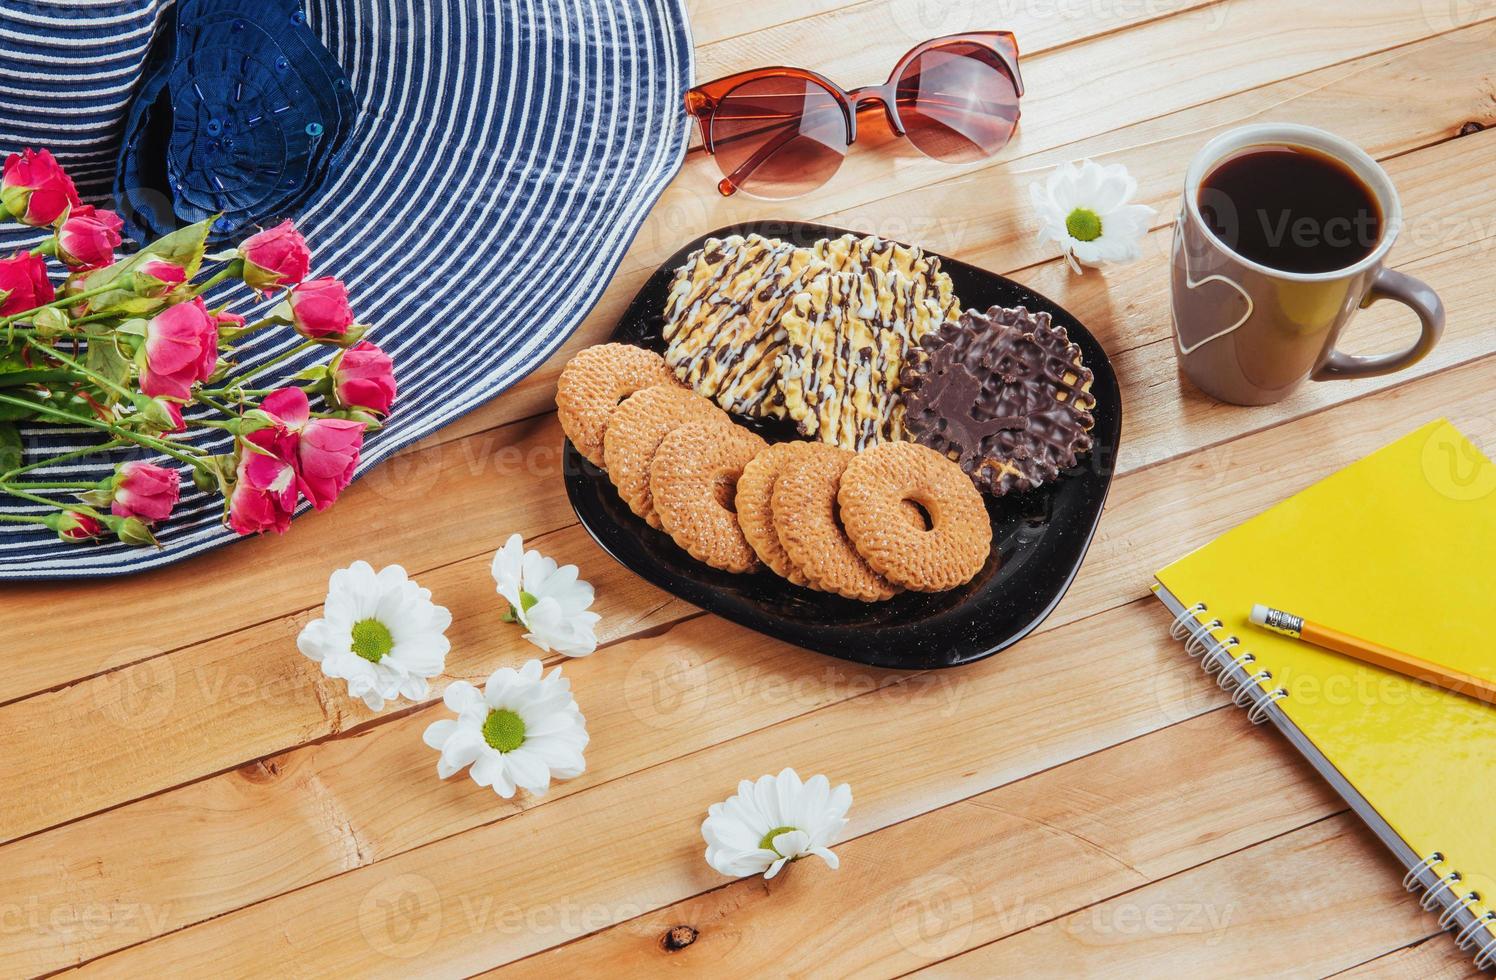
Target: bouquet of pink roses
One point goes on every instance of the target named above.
(124, 345)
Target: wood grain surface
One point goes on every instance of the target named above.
(183, 792)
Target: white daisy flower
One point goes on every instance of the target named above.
(550, 602)
(774, 820)
(519, 731)
(1084, 210)
(380, 632)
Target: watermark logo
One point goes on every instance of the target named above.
(401, 916)
(932, 916)
(1455, 468)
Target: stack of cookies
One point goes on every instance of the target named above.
(864, 525)
(820, 335)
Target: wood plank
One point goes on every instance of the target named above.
(859, 44)
(1306, 904)
(1121, 308)
(995, 864)
(580, 856)
(1014, 716)
(1434, 958)
(178, 717)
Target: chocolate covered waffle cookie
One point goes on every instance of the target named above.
(1004, 394)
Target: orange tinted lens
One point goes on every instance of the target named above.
(957, 102)
(778, 137)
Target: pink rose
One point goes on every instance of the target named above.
(320, 310)
(145, 490)
(35, 190)
(327, 450)
(24, 284)
(264, 494)
(275, 257)
(229, 321)
(88, 237)
(181, 349)
(157, 277)
(73, 526)
(364, 377)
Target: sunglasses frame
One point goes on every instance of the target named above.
(702, 101)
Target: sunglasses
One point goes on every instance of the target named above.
(777, 133)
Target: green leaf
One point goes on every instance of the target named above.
(104, 358)
(184, 247)
(11, 451)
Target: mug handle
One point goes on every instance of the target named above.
(1391, 284)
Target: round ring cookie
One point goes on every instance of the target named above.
(594, 382)
(876, 486)
(634, 433)
(694, 480)
(804, 503)
(756, 511)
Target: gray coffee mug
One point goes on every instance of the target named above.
(1249, 334)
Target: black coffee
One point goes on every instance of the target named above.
(1291, 208)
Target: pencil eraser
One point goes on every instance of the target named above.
(1259, 615)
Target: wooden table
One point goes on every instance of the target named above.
(182, 790)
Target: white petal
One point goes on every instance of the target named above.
(438, 732)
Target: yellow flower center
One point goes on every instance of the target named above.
(372, 640)
(504, 730)
(1083, 224)
(767, 843)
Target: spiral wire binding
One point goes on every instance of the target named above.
(1227, 658)
(1480, 924)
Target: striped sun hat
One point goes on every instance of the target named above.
(504, 155)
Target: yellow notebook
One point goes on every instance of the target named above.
(1399, 548)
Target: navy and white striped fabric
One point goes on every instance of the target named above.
(506, 154)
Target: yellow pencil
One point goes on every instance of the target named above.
(1374, 653)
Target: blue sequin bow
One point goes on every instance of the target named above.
(240, 111)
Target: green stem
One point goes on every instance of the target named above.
(55, 460)
(299, 348)
(244, 331)
(16, 519)
(226, 272)
(174, 452)
(93, 376)
(59, 485)
(65, 301)
(15, 491)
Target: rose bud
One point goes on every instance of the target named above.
(181, 349)
(157, 277)
(320, 310)
(131, 530)
(364, 377)
(74, 526)
(24, 284)
(144, 490)
(326, 450)
(35, 190)
(275, 258)
(326, 458)
(228, 321)
(264, 494)
(88, 237)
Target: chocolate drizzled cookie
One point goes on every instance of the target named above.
(1004, 394)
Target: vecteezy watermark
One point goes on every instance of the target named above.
(668, 687)
(1455, 468)
(937, 915)
(401, 915)
(72, 922)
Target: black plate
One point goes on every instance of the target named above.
(1041, 535)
